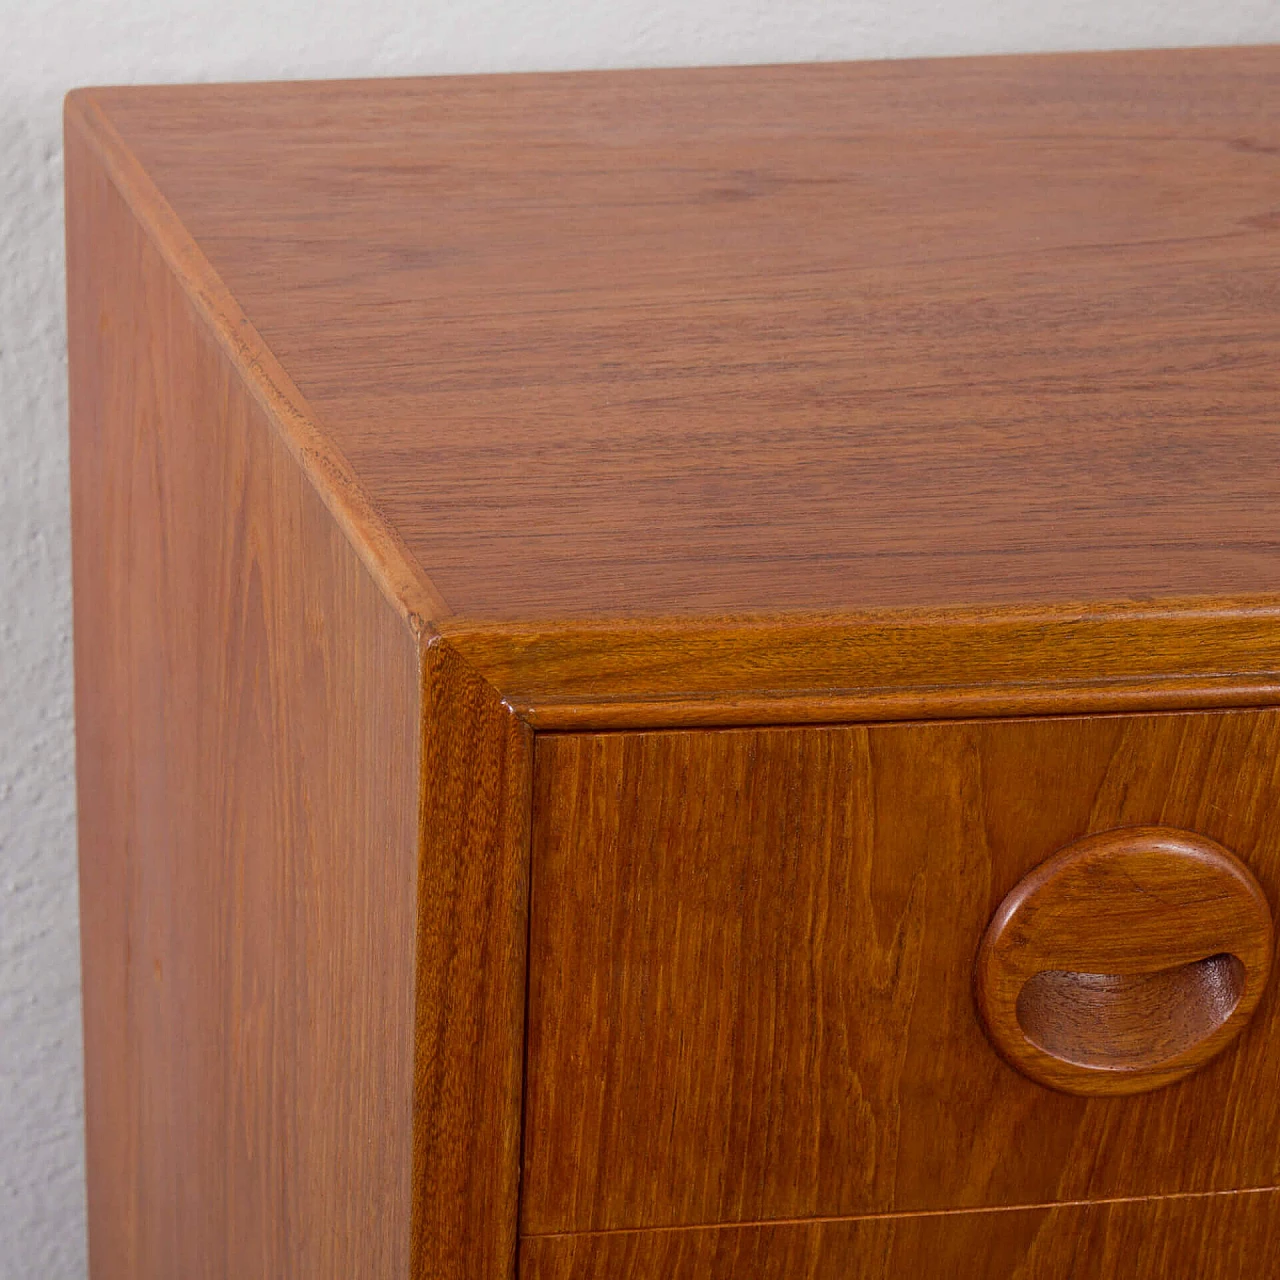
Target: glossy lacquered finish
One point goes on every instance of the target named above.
(456, 460)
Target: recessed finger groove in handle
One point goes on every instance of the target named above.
(1125, 961)
(1128, 1021)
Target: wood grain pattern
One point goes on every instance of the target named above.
(1125, 961)
(294, 826)
(707, 397)
(893, 664)
(751, 969)
(412, 417)
(248, 754)
(833, 337)
(1219, 1237)
(472, 932)
(377, 543)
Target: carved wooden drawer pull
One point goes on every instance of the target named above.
(1125, 961)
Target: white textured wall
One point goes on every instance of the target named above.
(48, 46)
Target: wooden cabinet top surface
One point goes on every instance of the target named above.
(655, 385)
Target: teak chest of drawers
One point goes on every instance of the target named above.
(678, 672)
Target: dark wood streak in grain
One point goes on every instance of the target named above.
(1234, 1236)
(752, 956)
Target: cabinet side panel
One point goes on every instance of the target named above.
(248, 727)
(1220, 1237)
(472, 933)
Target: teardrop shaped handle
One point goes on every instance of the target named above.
(1125, 961)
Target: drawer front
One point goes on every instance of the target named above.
(1215, 1237)
(752, 965)
(1178, 1238)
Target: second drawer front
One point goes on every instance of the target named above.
(752, 957)
(1213, 1237)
